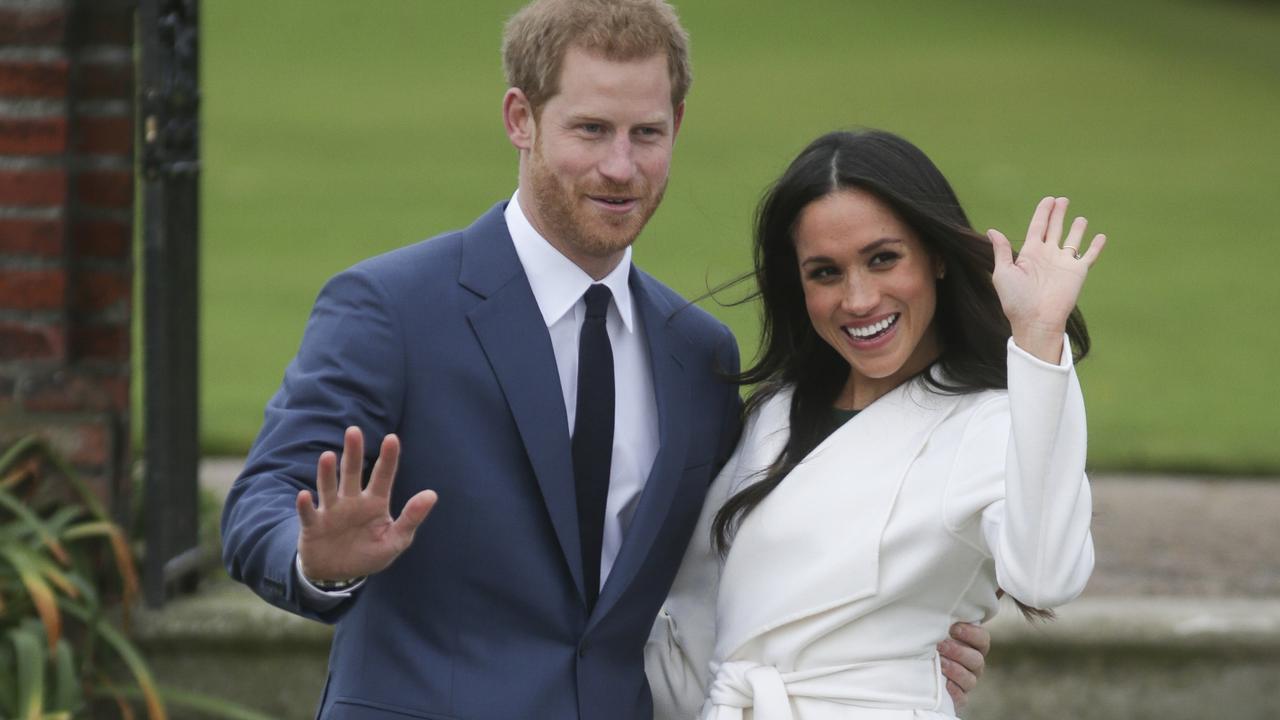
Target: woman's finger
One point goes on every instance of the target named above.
(1095, 249)
(1057, 215)
(1003, 251)
(1039, 222)
(1075, 236)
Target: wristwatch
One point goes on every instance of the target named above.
(335, 585)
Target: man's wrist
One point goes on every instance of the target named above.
(326, 586)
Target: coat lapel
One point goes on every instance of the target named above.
(829, 513)
(514, 337)
(666, 347)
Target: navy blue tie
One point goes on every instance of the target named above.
(593, 434)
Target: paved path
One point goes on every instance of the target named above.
(1155, 535)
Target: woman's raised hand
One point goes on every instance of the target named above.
(1040, 288)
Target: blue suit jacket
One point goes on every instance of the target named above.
(483, 617)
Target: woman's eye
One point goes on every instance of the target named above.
(822, 273)
(884, 258)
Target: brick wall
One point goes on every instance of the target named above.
(66, 229)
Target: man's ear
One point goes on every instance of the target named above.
(517, 115)
(679, 116)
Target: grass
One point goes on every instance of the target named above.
(334, 131)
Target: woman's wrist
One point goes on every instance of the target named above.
(1044, 341)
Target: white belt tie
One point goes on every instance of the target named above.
(898, 684)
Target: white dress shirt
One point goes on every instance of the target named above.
(558, 285)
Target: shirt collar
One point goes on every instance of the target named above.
(558, 283)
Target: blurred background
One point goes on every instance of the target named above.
(334, 131)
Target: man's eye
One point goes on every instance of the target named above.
(591, 128)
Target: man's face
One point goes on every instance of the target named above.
(601, 149)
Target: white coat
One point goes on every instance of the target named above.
(839, 585)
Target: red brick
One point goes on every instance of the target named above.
(96, 290)
(33, 136)
(38, 238)
(28, 188)
(102, 239)
(100, 342)
(33, 79)
(105, 188)
(32, 27)
(25, 341)
(100, 81)
(77, 393)
(33, 289)
(104, 135)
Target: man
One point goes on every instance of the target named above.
(569, 410)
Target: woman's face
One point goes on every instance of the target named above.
(869, 288)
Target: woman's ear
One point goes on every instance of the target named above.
(517, 116)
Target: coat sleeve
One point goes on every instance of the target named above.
(1028, 447)
(348, 371)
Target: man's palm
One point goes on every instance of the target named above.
(352, 534)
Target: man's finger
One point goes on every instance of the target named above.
(956, 673)
(352, 462)
(412, 515)
(327, 478)
(966, 661)
(307, 514)
(384, 470)
(959, 697)
(975, 636)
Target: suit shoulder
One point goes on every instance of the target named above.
(405, 268)
(698, 325)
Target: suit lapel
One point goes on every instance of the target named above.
(666, 347)
(514, 337)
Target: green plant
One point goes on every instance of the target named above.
(55, 543)
(62, 563)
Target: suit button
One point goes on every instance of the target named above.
(582, 650)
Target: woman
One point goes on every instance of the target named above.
(915, 444)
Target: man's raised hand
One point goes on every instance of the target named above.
(352, 534)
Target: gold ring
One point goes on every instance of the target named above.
(1075, 251)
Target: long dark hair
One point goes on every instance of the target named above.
(971, 326)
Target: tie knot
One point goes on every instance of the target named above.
(597, 298)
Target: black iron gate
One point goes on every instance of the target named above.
(170, 122)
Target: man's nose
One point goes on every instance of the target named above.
(618, 164)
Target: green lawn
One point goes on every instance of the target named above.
(336, 130)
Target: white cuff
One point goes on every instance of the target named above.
(1065, 361)
(314, 597)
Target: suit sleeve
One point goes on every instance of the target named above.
(1029, 448)
(349, 370)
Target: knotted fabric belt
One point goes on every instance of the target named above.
(889, 684)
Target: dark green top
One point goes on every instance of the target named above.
(839, 417)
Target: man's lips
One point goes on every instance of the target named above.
(613, 203)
